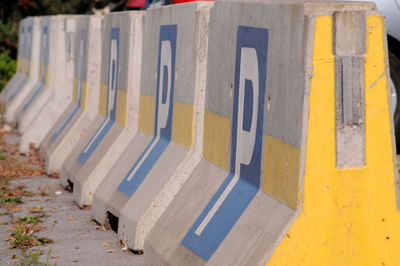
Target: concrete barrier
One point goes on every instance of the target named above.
(74, 123)
(28, 67)
(168, 144)
(52, 95)
(21, 64)
(278, 182)
(116, 123)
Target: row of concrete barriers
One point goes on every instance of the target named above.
(227, 133)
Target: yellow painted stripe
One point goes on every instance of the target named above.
(18, 60)
(75, 90)
(146, 114)
(84, 93)
(103, 99)
(183, 124)
(47, 77)
(30, 69)
(40, 72)
(122, 107)
(24, 65)
(216, 148)
(281, 171)
(349, 216)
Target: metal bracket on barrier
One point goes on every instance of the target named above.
(349, 50)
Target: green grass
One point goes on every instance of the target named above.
(6, 200)
(30, 219)
(20, 240)
(23, 238)
(33, 259)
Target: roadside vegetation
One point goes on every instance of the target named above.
(11, 12)
(23, 231)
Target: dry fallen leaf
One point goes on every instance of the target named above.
(112, 251)
(102, 227)
(121, 244)
(86, 207)
(36, 209)
(71, 218)
(16, 209)
(106, 244)
(40, 200)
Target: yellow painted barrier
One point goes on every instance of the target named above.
(349, 216)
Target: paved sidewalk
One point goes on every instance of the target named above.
(77, 239)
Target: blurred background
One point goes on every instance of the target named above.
(12, 11)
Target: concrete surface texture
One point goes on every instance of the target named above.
(21, 58)
(352, 205)
(116, 123)
(168, 145)
(74, 122)
(44, 107)
(76, 239)
(13, 97)
(240, 201)
(235, 133)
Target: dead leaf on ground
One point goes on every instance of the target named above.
(86, 207)
(55, 175)
(39, 200)
(36, 209)
(13, 209)
(106, 244)
(121, 244)
(112, 250)
(71, 218)
(102, 227)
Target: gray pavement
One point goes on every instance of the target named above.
(77, 239)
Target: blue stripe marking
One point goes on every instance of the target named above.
(84, 156)
(105, 127)
(27, 41)
(129, 186)
(20, 63)
(36, 93)
(16, 92)
(44, 59)
(223, 220)
(77, 106)
(66, 122)
(207, 241)
(12, 82)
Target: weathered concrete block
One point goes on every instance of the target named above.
(168, 145)
(116, 122)
(28, 63)
(74, 123)
(52, 95)
(267, 188)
